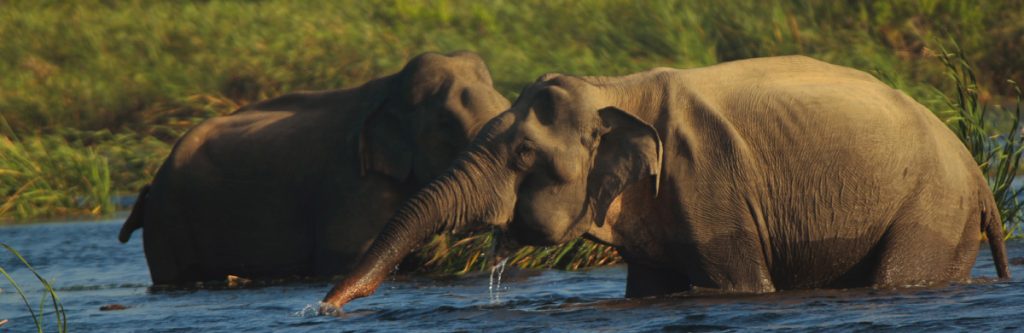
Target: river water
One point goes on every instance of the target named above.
(91, 269)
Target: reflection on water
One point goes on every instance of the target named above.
(91, 269)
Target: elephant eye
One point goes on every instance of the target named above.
(525, 155)
(594, 140)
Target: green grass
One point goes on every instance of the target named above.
(46, 176)
(38, 315)
(73, 174)
(123, 65)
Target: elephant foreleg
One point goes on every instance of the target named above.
(644, 281)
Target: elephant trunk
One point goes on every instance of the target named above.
(447, 203)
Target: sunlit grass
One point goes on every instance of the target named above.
(45, 176)
(95, 65)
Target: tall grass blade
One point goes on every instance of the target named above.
(997, 153)
(58, 308)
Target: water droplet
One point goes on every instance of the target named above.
(392, 276)
(494, 288)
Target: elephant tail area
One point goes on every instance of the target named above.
(993, 227)
(134, 220)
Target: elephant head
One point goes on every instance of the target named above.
(424, 114)
(546, 170)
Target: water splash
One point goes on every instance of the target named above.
(310, 310)
(319, 309)
(494, 288)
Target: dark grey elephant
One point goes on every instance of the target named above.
(749, 176)
(301, 184)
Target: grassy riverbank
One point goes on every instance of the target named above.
(95, 92)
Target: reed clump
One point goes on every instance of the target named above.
(46, 176)
(997, 151)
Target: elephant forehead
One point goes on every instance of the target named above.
(533, 128)
(446, 79)
(431, 64)
(561, 110)
(442, 69)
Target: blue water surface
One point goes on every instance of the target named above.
(91, 269)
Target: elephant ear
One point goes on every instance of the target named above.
(384, 146)
(629, 151)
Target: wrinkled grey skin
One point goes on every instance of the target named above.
(749, 176)
(300, 185)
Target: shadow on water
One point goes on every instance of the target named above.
(92, 271)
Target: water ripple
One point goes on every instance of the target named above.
(105, 272)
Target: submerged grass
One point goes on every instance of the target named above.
(38, 315)
(459, 254)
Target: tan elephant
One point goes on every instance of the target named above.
(299, 185)
(750, 176)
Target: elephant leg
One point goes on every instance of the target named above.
(731, 263)
(168, 249)
(913, 254)
(169, 254)
(966, 252)
(163, 267)
(643, 281)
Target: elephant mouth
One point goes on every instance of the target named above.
(504, 244)
(532, 234)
